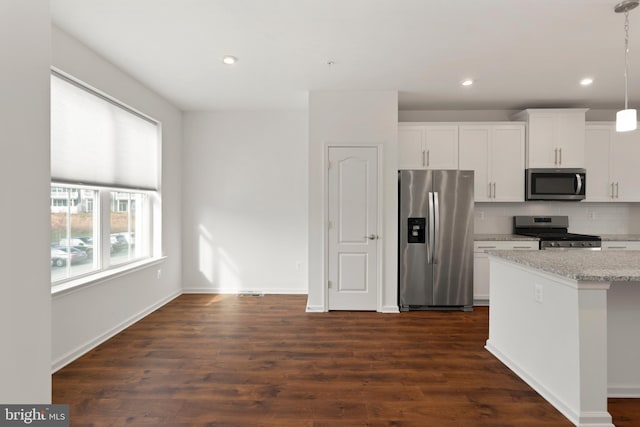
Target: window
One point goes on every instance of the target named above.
(104, 191)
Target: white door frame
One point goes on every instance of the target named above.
(325, 218)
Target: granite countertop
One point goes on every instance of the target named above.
(502, 237)
(620, 237)
(596, 266)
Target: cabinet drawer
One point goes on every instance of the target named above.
(483, 246)
(621, 246)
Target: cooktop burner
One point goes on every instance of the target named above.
(559, 236)
(552, 232)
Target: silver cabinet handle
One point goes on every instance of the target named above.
(372, 237)
(555, 158)
(522, 247)
(489, 190)
(579, 182)
(423, 158)
(486, 247)
(617, 188)
(494, 190)
(428, 158)
(612, 193)
(560, 162)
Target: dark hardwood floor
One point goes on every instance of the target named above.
(223, 360)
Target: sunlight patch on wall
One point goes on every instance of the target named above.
(216, 265)
(206, 260)
(229, 273)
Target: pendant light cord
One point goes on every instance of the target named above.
(626, 58)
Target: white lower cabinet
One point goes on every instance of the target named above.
(481, 264)
(633, 245)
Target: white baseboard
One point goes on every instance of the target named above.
(623, 391)
(390, 309)
(315, 309)
(591, 419)
(74, 354)
(276, 291)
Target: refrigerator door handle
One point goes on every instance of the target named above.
(436, 237)
(431, 240)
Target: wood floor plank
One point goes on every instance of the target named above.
(224, 360)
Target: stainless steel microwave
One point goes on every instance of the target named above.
(556, 184)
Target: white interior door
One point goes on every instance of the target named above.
(353, 228)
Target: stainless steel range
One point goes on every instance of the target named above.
(552, 232)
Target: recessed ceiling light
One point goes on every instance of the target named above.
(586, 81)
(467, 82)
(228, 59)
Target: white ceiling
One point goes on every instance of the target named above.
(522, 53)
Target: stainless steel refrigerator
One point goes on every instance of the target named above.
(435, 260)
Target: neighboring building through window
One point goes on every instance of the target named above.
(104, 190)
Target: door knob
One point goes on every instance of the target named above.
(371, 237)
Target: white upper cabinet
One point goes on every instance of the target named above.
(427, 146)
(556, 137)
(496, 153)
(611, 160)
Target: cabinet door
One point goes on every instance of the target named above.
(480, 278)
(570, 139)
(506, 163)
(410, 147)
(625, 169)
(441, 146)
(542, 136)
(474, 155)
(596, 158)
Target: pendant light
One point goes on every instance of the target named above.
(626, 119)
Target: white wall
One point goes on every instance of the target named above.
(86, 316)
(343, 118)
(245, 202)
(25, 298)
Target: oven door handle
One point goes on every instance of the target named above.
(579, 181)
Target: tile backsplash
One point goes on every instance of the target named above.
(584, 217)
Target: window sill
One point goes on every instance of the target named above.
(103, 276)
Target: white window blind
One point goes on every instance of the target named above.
(96, 141)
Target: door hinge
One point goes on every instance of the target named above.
(329, 285)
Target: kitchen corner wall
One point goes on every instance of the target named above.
(245, 202)
(352, 117)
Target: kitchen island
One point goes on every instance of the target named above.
(568, 323)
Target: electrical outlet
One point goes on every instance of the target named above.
(538, 293)
(592, 215)
(480, 214)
